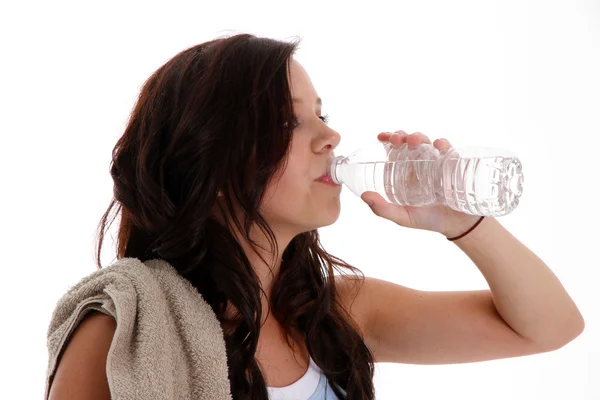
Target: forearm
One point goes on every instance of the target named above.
(526, 293)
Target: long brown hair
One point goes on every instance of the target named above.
(221, 112)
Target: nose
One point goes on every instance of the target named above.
(328, 142)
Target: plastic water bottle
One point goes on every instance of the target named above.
(473, 180)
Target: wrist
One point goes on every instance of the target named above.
(461, 226)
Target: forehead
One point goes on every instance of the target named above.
(302, 88)
(301, 84)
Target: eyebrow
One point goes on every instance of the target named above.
(298, 100)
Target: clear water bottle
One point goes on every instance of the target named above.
(473, 180)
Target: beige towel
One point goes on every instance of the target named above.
(168, 343)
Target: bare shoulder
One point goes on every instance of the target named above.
(353, 298)
(81, 369)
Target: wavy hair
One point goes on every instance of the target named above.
(221, 112)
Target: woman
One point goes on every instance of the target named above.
(218, 172)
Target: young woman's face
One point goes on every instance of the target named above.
(297, 202)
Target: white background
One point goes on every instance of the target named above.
(520, 75)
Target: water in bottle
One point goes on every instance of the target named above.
(477, 181)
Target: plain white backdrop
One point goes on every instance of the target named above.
(520, 75)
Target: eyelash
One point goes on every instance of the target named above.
(324, 118)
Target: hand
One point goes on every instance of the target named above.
(437, 218)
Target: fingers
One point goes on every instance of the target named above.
(384, 136)
(417, 138)
(398, 138)
(443, 145)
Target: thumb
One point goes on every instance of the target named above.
(374, 200)
(385, 209)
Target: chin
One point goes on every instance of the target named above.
(327, 216)
(316, 217)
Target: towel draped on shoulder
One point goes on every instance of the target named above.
(168, 342)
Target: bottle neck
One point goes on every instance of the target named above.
(333, 170)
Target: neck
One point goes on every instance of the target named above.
(264, 262)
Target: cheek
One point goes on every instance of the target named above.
(291, 195)
(292, 192)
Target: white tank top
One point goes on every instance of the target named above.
(312, 385)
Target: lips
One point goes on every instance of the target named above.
(328, 180)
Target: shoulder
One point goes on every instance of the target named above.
(81, 370)
(352, 296)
